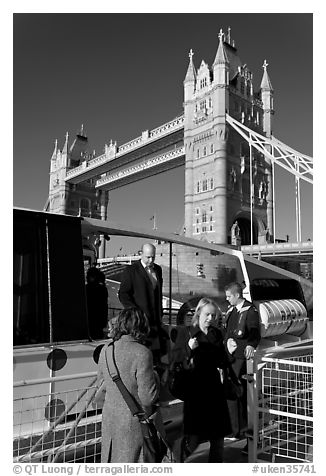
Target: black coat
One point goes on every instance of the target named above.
(251, 330)
(97, 309)
(137, 290)
(205, 411)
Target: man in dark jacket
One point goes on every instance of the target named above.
(141, 286)
(242, 336)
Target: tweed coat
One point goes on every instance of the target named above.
(121, 433)
(137, 290)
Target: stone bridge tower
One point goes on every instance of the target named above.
(80, 199)
(218, 183)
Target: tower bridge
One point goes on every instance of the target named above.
(117, 158)
(223, 140)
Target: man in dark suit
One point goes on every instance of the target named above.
(242, 336)
(141, 286)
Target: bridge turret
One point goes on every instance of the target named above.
(221, 63)
(65, 147)
(190, 79)
(67, 198)
(221, 67)
(266, 90)
(57, 186)
(65, 151)
(189, 90)
(55, 150)
(189, 110)
(54, 156)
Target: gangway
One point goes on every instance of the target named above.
(51, 322)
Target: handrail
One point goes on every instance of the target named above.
(21, 383)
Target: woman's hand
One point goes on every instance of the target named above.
(231, 345)
(193, 343)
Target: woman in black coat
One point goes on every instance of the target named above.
(206, 415)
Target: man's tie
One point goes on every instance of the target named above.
(152, 276)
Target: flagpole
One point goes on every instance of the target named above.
(154, 221)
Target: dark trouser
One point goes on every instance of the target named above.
(238, 407)
(216, 449)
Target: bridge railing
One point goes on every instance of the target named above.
(60, 424)
(280, 404)
(302, 246)
(69, 429)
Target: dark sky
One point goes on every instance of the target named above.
(120, 74)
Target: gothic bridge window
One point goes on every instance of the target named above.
(205, 151)
(204, 216)
(198, 187)
(204, 185)
(203, 83)
(212, 183)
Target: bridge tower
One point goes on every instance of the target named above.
(227, 182)
(75, 199)
(68, 198)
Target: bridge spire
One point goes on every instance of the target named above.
(266, 84)
(65, 147)
(82, 132)
(221, 56)
(55, 151)
(191, 73)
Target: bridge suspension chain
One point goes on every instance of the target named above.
(298, 164)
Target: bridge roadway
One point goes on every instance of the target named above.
(298, 251)
(288, 249)
(162, 148)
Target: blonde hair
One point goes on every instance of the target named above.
(202, 303)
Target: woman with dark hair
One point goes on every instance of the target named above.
(206, 416)
(122, 438)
